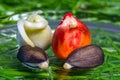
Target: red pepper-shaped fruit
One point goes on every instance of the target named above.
(69, 35)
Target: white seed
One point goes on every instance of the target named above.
(67, 66)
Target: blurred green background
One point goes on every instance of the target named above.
(98, 11)
(89, 10)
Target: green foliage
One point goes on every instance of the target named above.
(106, 11)
(99, 10)
(12, 69)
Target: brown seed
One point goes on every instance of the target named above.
(85, 57)
(33, 57)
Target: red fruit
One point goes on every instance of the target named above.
(69, 35)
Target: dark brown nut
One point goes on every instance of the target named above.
(33, 57)
(85, 58)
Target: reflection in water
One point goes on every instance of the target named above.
(72, 74)
(62, 74)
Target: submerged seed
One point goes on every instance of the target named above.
(85, 57)
(33, 57)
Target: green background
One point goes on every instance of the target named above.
(93, 11)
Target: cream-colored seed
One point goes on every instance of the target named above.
(67, 66)
(44, 65)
